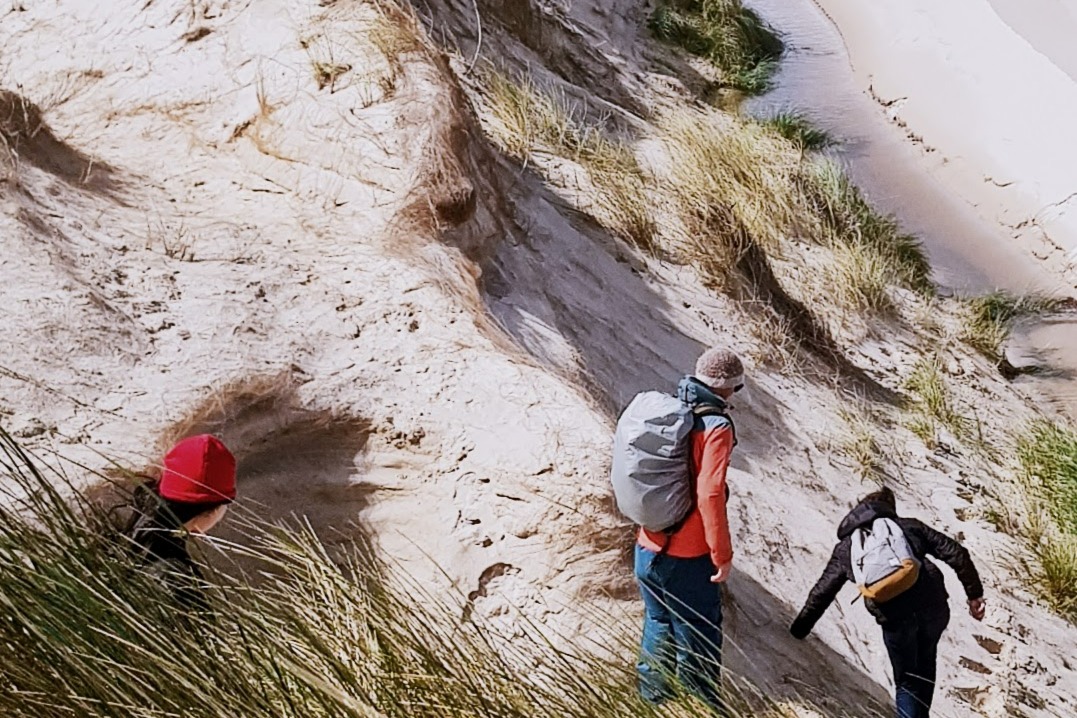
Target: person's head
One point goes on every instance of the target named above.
(721, 370)
(883, 496)
(198, 482)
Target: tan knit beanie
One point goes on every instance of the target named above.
(720, 369)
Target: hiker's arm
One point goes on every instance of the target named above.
(956, 557)
(822, 595)
(711, 493)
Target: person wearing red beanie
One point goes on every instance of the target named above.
(197, 483)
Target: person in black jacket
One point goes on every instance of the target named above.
(191, 497)
(913, 621)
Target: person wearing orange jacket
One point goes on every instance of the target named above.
(680, 570)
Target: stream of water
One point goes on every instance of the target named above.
(969, 254)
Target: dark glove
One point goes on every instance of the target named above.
(800, 628)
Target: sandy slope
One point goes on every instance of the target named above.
(996, 106)
(251, 255)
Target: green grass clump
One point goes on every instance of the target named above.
(1048, 455)
(732, 37)
(854, 222)
(291, 630)
(933, 405)
(1058, 574)
(988, 319)
(798, 129)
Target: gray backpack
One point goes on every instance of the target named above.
(651, 475)
(884, 565)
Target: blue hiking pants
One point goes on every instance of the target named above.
(682, 626)
(913, 645)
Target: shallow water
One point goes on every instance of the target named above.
(969, 254)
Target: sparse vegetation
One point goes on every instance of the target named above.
(326, 73)
(732, 37)
(933, 405)
(738, 180)
(799, 130)
(323, 63)
(860, 277)
(861, 445)
(316, 635)
(1058, 573)
(395, 33)
(853, 222)
(527, 120)
(988, 319)
(733, 185)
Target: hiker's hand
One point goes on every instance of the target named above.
(722, 572)
(977, 608)
(800, 629)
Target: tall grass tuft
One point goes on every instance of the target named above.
(723, 168)
(933, 405)
(796, 128)
(732, 37)
(854, 222)
(1048, 455)
(1058, 573)
(527, 120)
(292, 630)
(988, 319)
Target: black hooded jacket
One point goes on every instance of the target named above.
(927, 597)
(159, 543)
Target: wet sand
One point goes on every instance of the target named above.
(970, 253)
(990, 98)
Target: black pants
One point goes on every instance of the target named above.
(913, 644)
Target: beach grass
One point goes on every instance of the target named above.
(732, 37)
(525, 120)
(1047, 452)
(1058, 574)
(988, 319)
(1048, 455)
(740, 195)
(853, 221)
(933, 405)
(292, 627)
(796, 128)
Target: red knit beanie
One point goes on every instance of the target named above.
(199, 470)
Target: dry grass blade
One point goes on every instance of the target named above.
(525, 120)
(300, 631)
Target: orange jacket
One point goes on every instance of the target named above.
(706, 530)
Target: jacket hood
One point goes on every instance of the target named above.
(694, 392)
(862, 515)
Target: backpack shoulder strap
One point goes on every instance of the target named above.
(698, 412)
(703, 410)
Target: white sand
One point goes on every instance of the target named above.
(1050, 26)
(464, 422)
(995, 100)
